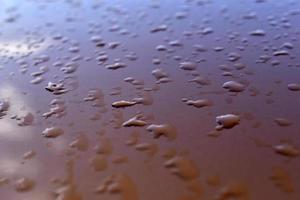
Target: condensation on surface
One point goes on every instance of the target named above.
(149, 99)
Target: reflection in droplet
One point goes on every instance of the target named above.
(227, 121)
(52, 132)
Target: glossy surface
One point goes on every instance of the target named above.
(128, 99)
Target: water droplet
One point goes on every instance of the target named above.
(165, 130)
(294, 86)
(29, 154)
(233, 191)
(199, 103)
(286, 149)
(258, 32)
(200, 80)
(56, 88)
(148, 148)
(105, 146)
(25, 120)
(281, 53)
(120, 159)
(4, 105)
(135, 121)
(121, 104)
(119, 184)
(23, 185)
(282, 122)
(115, 66)
(98, 163)
(161, 76)
(233, 86)
(37, 80)
(160, 28)
(81, 142)
(3, 181)
(58, 108)
(282, 180)
(233, 57)
(182, 167)
(52, 132)
(188, 66)
(227, 121)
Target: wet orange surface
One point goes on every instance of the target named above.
(143, 100)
